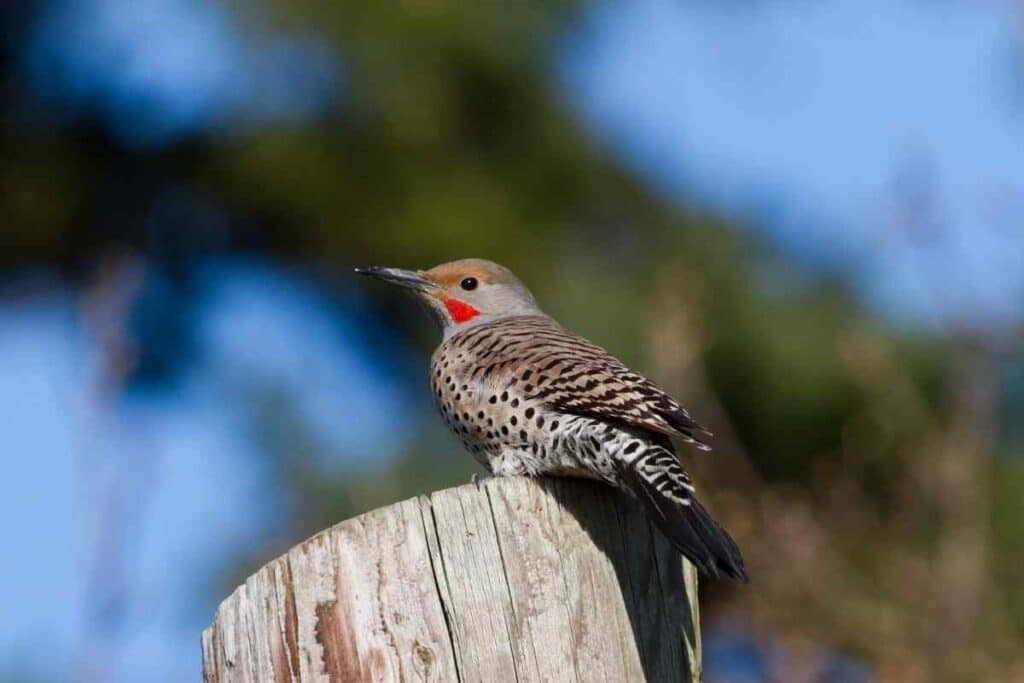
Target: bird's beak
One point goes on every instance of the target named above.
(410, 279)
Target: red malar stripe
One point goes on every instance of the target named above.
(460, 310)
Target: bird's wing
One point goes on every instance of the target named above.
(574, 376)
(594, 383)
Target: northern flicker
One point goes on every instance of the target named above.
(527, 397)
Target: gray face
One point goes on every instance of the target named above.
(463, 293)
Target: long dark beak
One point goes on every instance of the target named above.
(409, 279)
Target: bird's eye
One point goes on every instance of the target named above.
(468, 283)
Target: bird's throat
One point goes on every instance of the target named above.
(460, 311)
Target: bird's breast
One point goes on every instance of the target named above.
(462, 400)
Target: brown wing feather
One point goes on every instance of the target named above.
(572, 375)
(614, 392)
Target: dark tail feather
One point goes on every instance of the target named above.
(690, 529)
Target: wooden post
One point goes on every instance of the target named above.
(512, 579)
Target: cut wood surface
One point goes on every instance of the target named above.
(513, 579)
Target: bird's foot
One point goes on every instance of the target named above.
(477, 478)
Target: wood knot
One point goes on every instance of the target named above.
(424, 658)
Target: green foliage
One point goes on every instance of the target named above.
(1007, 520)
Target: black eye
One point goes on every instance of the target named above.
(468, 283)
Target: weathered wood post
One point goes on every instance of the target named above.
(510, 580)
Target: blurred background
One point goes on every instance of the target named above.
(804, 219)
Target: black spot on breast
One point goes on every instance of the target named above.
(554, 425)
(480, 415)
(492, 400)
(529, 413)
(504, 430)
(522, 434)
(540, 422)
(504, 396)
(515, 403)
(633, 445)
(526, 374)
(514, 420)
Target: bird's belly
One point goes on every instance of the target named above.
(513, 461)
(528, 450)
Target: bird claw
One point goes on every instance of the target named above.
(477, 478)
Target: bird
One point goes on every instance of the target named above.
(527, 397)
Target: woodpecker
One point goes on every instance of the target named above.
(527, 397)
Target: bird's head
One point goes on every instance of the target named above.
(463, 293)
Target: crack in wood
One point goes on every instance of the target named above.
(442, 591)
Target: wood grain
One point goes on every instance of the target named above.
(513, 579)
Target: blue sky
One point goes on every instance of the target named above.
(38, 355)
(822, 125)
(161, 69)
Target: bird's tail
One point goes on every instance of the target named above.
(657, 479)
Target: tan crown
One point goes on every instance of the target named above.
(487, 272)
